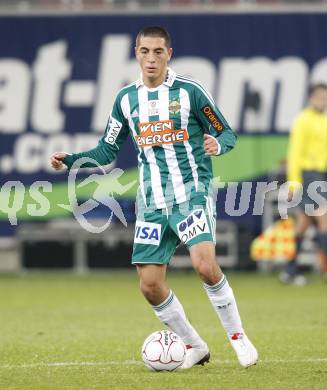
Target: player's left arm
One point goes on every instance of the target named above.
(219, 138)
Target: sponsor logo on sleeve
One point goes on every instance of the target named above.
(192, 226)
(212, 118)
(147, 233)
(159, 133)
(113, 130)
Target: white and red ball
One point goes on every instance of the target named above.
(163, 351)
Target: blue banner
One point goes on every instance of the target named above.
(59, 76)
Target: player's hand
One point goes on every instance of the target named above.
(56, 160)
(210, 145)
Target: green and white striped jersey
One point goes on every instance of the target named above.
(167, 124)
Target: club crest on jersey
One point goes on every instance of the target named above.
(174, 106)
(147, 233)
(192, 226)
(153, 107)
(157, 133)
(212, 118)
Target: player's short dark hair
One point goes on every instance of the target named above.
(154, 31)
(313, 88)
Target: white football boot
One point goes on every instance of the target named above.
(195, 356)
(246, 353)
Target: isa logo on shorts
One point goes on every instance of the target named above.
(192, 226)
(147, 233)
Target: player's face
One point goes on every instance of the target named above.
(153, 57)
(318, 99)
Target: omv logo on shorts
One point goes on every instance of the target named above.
(147, 233)
(192, 226)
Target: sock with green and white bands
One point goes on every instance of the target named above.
(223, 301)
(171, 313)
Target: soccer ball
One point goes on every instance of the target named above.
(163, 351)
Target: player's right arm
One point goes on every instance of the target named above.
(219, 137)
(106, 151)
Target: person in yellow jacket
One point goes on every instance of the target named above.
(307, 163)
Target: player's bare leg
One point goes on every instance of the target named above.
(323, 264)
(153, 282)
(165, 304)
(223, 301)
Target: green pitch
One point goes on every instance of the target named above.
(62, 331)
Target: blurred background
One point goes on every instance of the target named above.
(61, 65)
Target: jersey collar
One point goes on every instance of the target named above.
(169, 81)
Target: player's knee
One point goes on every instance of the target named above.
(206, 267)
(202, 268)
(150, 288)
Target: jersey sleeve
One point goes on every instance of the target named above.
(296, 148)
(106, 151)
(212, 120)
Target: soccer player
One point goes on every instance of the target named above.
(176, 127)
(306, 163)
